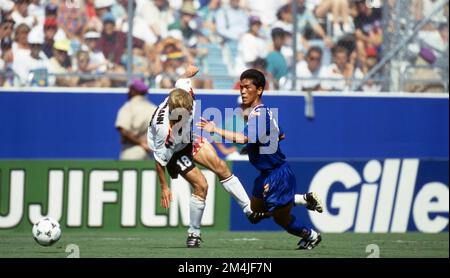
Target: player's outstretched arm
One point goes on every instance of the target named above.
(166, 195)
(191, 71)
(235, 137)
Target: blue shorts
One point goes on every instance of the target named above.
(277, 189)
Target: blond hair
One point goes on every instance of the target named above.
(179, 98)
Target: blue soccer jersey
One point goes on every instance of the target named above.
(263, 134)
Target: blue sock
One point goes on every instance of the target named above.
(296, 228)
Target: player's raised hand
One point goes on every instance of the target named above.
(166, 197)
(206, 125)
(191, 70)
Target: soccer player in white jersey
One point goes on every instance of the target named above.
(170, 138)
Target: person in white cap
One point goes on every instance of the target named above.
(6, 6)
(98, 62)
(103, 6)
(26, 65)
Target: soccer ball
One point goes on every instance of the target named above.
(46, 231)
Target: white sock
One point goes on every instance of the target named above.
(234, 186)
(196, 208)
(299, 199)
(313, 235)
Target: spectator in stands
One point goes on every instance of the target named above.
(32, 68)
(368, 31)
(83, 67)
(58, 64)
(132, 123)
(51, 11)
(51, 21)
(232, 21)
(113, 43)
(276, 64)
(341, 72)
(6, 9)
(20, 14)
(20, 45)
(50, 29)
(36, 9)
(7, 76)
(251, 46)
(261, 65)
(90, 9)
(185, 24)
(265, 9)
(306, 18)
(207, 17)
(72, 19)
(172, 67)
(310, 71)
(97, 61)
(157, 14)
(284, 18)
(371, 85)
(341, 19)
(102, 7)
(120, 9)
(6, 27)
(285, 21)
(140, 28)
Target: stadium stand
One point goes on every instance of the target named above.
(209, 33)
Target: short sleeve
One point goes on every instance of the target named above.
(258, 126)
(123, 119)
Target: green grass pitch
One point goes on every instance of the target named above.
(167, 243)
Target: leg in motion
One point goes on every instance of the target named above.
(196, 206)
(208, 157)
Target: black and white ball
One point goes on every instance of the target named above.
(46, 231)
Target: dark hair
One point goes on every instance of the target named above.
(278, 33)
(259, 63)
(339, 49)
(314, 49)
(255, 76)
(284, 9)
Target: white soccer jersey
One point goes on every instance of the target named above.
(164, 140)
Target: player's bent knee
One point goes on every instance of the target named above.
(282, 216)
(222, 169)
(200, 191)
(282, 220)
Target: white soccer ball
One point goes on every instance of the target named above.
(46, 231)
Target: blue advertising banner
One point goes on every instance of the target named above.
(382, 196)
(61, 125)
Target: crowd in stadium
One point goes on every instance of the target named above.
(43, 41)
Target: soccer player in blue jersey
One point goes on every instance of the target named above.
(274, 188)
